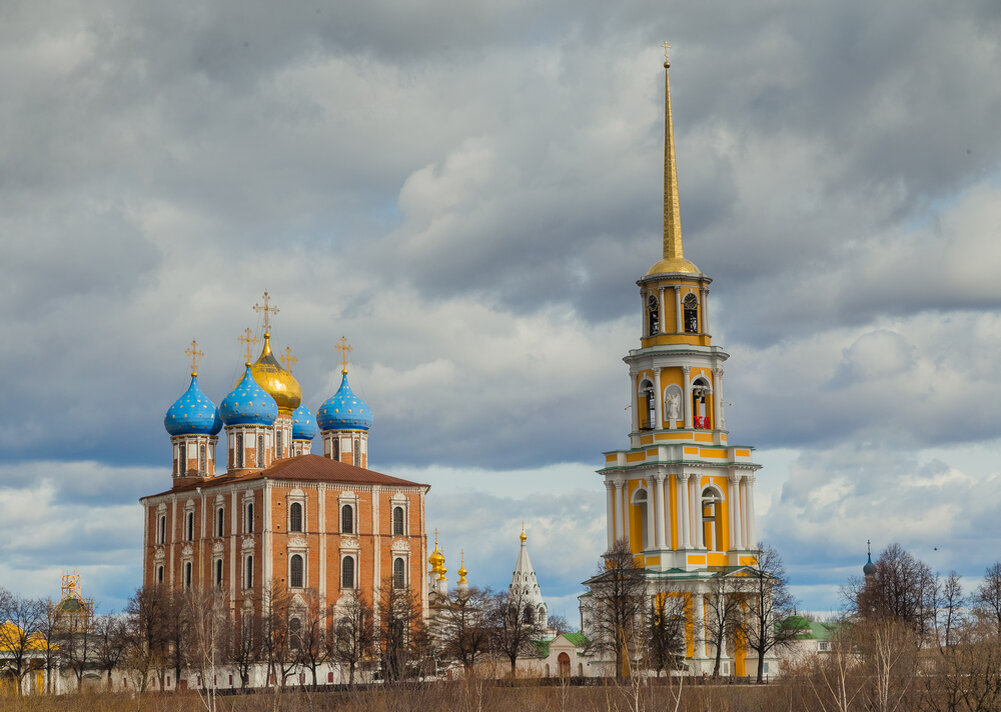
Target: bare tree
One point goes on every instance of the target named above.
(19, 638)
(513, 625)
(175, 631)
(901, 588)
(311, 645)
(243, 644)
(145, 638)
(400, 629)
(722, 611)
(888, 648)
(353, 634)
(665, 631)
(463, 626)
(616, 604)
(276, 634)
(206, 625)
(768, 601)
(950, 604)
(987, 599)
(49, 629)
(109, 643)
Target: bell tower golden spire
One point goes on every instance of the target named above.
(673, 258)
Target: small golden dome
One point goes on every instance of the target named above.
(275, 380)
(462, 568)
(437, 560)
(524, 536)
(674, 265)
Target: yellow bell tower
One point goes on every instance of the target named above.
(681, 495)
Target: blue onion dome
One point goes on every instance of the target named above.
(193, 413)
(344, 410)
(870, 568)
(303, 424)
(248, 404)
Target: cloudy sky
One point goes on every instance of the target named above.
(469, 191)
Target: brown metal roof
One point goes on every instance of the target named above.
(304, 468)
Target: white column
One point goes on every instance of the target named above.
(734, 511)
(618, 510)
(644, 323)
(660, 511)
(610, 512)
(651, 516)
(751, 541)
(658, 398)
(743, 512)
(635, 401)
(321, 526)
(266, 552)
(684, 528)
(700, 530)
(720, 423)
(698, 627)
(678, 326)
(661, 303)
(686, 371)
(705, 309)
(625, 511)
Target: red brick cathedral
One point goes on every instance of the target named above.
(325, 526)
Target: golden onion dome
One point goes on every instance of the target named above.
(462, 568)
(674, 265)
(437, 559)
(275, 380)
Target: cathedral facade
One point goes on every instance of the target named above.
(321, 527)
(681, 496)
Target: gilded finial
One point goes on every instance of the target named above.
(268, 312)
(248, 340)
(288, 359)
(462, 567)
(672, 209)
(524, 536)
(195, 354)
(666, 46)
(345, 348)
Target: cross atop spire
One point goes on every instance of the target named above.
(268, 312)
(248, 339)
(666, 47)
(195, 354)
(288, 359)
(345, 348)
(868, 547)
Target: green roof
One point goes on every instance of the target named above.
(578, 639)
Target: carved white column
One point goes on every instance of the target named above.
(610, 512)
(661, 307)
(705, 309)
(660, 511)
(684, 528)
(686, 371)
(751, 541)
(678, 326)
(625, 511)
(635, 400)
(734, 511)
(698, 627)
(651, 517)
(718, 392)
(658, 398)
(618, 510)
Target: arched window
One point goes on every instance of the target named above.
(700, 407)
(159, 574)
(218, 573)
(239, 450)
(648, 406)
(189, 526)
(295, 635)
(640, 502)
(248, 571)
(397, 521)
(528, 615)
(337, 449)
(220, 521)
(691, 317)
(260, 450)
(399, 573)
(712, 523)
(162, 530)
(248, 518)
(296, 570)
(187, 574)
(348, 572)
(653, 315)
(541, 613)
(347, 519)
(295, 517)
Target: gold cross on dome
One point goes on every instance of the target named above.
(666, 47)
(268, 312)
(248, 339)
(195, 354)
(288, 359)
(345, 348)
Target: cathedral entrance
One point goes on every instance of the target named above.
(564, 663)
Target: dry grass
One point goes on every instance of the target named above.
(466, 696)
